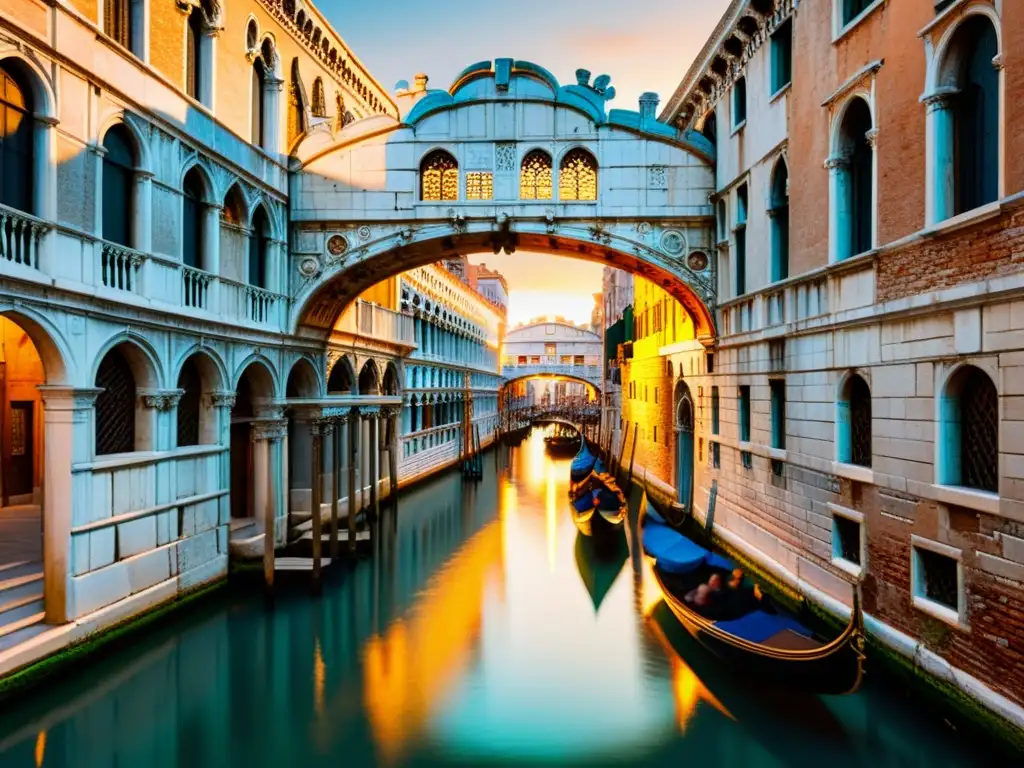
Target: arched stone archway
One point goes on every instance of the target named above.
(684, 429)
(651, 215)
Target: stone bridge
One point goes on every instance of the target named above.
(584, 374)
(506, 158)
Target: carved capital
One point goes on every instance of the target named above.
(390, 411)
(223, 399)
(872, 137)
(998, 62)
(162, 400)
(939, 100)
(269, 429)
(837, 163)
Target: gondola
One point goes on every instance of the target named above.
(582, 465)
(754, 635)
(599, 507)
(562, 443)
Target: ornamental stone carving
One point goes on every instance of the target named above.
(162, 400)
(337, 245)
(309, 266)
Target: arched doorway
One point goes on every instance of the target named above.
(35, 472)
(684, 446)
(254, 391)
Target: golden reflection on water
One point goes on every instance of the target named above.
(40, 749)
(319, 675)
(408, 669)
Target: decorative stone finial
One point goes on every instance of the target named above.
(583, 77)
(420, 81)
(648, 104)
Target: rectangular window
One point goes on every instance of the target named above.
(535, 360)
(778, 392)
(549, 349)
(747, 459)
(744, 413)
(655, 395)
(782, 57)
(647, 394)
(711, 362)
(716, 456)
(479, 185)
(565, 360)
(714, 411)
(853, 8)
(936, 578)
(700, 450)
(739, 102)
(741, 240)
(655, 433)
(578, 360)
(846, 539)
(521, 360)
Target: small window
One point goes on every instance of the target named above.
(655, 395)
(744, 413)
(846, 539)
(741, 240)
(715, 425)
(723, 223)
(710, 362)
(716, 455)
(853, 8)
(479, 185)
(854, 422)
(782, 57)
(936, 578)
(550, 349)
(739, 102)
(535, 176)
(710, 129)
(778, 394)
(578, 360)
(439, 177)
(577, 176)
(747, 459)
(969, 424)
(655, 433)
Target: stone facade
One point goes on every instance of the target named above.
(850, 395)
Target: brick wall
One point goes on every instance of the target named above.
(990, 249)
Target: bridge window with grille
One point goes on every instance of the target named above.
(853, 182)
(535, 176)
(190, 404)
(118, 185)
(439, 177)
(964, 120)
(779, 212)
(577, 176)
(740, 259)
(115, 409)
(479, 185)
(259, 241)
(969, 431)
(17, 151)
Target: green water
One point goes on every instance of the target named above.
(481, 632)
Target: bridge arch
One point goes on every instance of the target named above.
(592, 387)
(361, 212)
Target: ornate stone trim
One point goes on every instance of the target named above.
(223, 399)
(162, 400)
(269, 429)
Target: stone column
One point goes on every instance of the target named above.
(393, 424)
(940, 165)
(211, 252)
(67, 440)
(267, 436)
(315, 433)
(840, 204)
(353, 475)
(336, 455)
(221, 404)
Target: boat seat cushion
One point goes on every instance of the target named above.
(654, 516)
(658, 538)
(758, 626)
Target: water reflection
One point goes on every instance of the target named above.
(483, 629)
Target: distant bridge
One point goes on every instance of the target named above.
(584, 374)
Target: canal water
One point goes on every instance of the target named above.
(483, 631)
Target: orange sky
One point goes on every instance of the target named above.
(546, 285)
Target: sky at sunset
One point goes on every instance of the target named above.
(644, 45)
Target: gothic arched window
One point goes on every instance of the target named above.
(854, 422)
(17, 171)
(258, 240)
(193, 53)
(976, 116)
(115, 405)
(319, 100)
(535, 176)
(439, 177)
(118, 184)
(854, 165)
(778, 209)
(258, 84)
(577, 176)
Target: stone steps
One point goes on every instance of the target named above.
(21, 596)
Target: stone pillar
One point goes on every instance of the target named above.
(940, 165)
(839, 194)
(267, 436)
(336, 455)
(373, 455)
(221, 404)
(315, 433)
(67, 440)
(272, 90)
(353, 475)
(392, 413)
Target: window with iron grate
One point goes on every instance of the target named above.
(115, 405)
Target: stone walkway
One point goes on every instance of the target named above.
(21, 534)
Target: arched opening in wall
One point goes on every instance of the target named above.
(124, 421)
(35, 461)
(778, 210)
(854, 164)
(973, 81)
(257, 131)
(302, 380)
(259, 241)
(319, 98)
(193, 221)
(853, 422)
(535, 176)
(439, 177)
(369, 379)
(390, 385)
(253, 394)
(684, 445)
(197, 422)
(342, 379)
(577, 176)
(194, 64)
(119, 163)
(710, 128)
(969, 431)
(17, 142)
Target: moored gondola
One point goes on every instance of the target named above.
(751, 633)
(599, 506)
(582, 465)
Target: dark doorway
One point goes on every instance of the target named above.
(20, 452)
